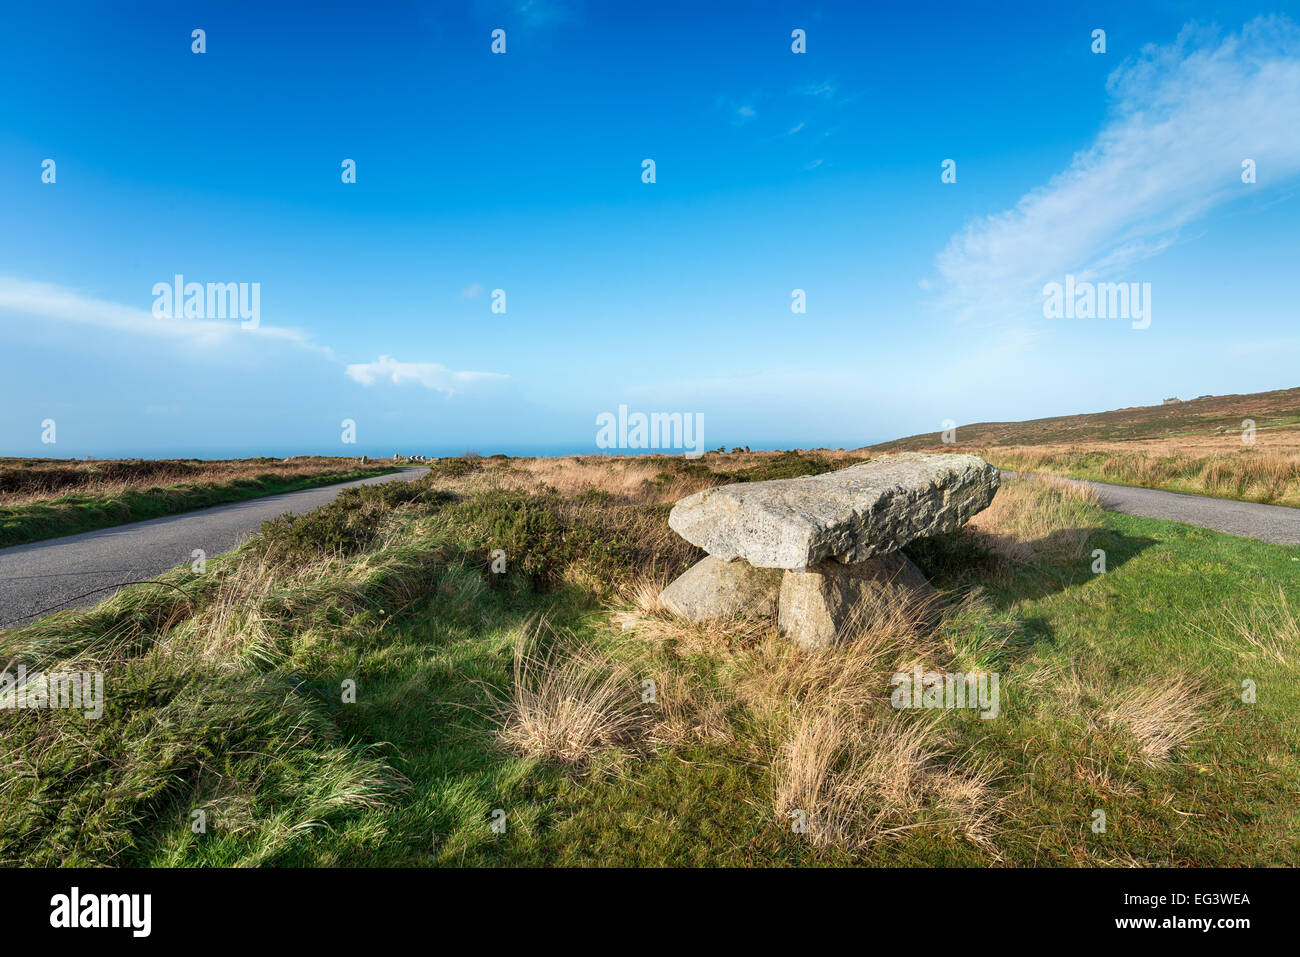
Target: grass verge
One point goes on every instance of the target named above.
(69, 514)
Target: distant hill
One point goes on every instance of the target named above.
(1204, 415)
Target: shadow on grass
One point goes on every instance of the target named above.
(961, 562)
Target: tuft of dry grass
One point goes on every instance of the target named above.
(883, 639)
(1271, 634)
(643, 592)
(857, 770)
(568, 702)
(854, 778)
(1161, 715)
(689, 711)
(1038, 517)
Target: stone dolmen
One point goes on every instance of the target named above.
(811, 549)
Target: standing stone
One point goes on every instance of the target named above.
(818, 606)
(712, 590)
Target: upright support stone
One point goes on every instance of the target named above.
(712, 590)
(818, 605)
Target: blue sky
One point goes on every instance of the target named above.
(775, 171)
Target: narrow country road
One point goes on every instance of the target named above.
(47, 576)
(1267, 523)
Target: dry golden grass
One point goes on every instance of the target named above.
(1270, 636)
(858, 770)
(1217, 465)
(629, 479)
(24, 481)
(688, 711)
(1034, 517)
(1161, 715)
(1198, 445)
(856, 778)
(568, 702)
(883, 639)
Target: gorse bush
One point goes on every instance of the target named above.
(545, 534)
(783, 466)
(456, 468)
(346, 526)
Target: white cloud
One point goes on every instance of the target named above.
(472, 291)
(431, 375)
(55, 303)
(1184, 117)
(20, 299)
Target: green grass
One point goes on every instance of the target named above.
(70, 514)
(254, 728)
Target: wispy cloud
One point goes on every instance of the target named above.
(431, 375)
(56, 303)
(24, 300)
(739, 111)
(825, 89)
(472, 291)
(1184, 117)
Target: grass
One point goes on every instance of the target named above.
(45, 499)
(558, 698)
(1249, 475)
(1243, 447)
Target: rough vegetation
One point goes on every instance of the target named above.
(43, 498)
(558, 697)
(1244, 447)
